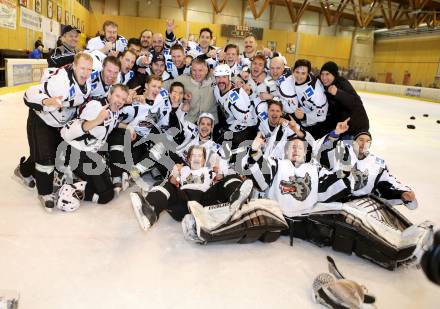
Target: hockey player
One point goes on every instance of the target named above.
(85, 136)
(231, 55)
(51, 105)
(134, 45)
(277, 68)
(187, 183)
(158, 45)
(295, 184)
(311, 100)
(250, 50)
(260, 86)
(101, 81)
(65, 53)
(158, 67)
(203, 49)
(370, 172)
(275, 129)
(176, 65)
(238, 111)
(202, 136)
(127, 59)
(145, 115)
(146, 40)
(109, 43)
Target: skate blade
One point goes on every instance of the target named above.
(47, 209)
(20, 181)
(136, 204)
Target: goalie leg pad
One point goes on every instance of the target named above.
(350, 228)
(257, 220)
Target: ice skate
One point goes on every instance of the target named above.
(189, 228)
(47, 201)
(28, 182)
(143, 210)
(120, 184)
(241, 195)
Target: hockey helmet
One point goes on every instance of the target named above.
(206, 115)
(70, 196)
(222, 70)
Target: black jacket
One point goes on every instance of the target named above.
(61, 56)
(346, 103)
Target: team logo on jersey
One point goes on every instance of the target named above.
(281, 79)
(164, 93)
(298, 187)
(192, 179)
(72, 91)
(263, 116)
(309, 92)
(234, 96)
(94, 75)
(360, 178)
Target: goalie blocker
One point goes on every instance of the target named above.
(260, 219)
(367, 226)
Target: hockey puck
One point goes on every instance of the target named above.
(412, 118)
(410, 126)
(425, 115)
(438, 121)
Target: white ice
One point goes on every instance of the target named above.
(98, 257)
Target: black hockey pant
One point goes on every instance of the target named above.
(123, 155)
(92, 168)
(43, 142)
(174, 200)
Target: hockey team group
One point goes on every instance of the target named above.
(236, 145)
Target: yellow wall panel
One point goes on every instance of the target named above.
(420, 56)
(319, 49)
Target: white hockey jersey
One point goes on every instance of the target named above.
(312, 100)
(195, 50)
(144, 116)
(297, 188)
(237, 107)
(200, 179)
(98, 59)
(287, 93)
(174, 71)
(99, 42)
(99, 88)
(125, 78)
(268, 85)
(57, 82)
(94, 139)
(214, 153)
(369, 175)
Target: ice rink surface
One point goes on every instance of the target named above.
(98, 257)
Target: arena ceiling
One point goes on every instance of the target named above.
(366, 13)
